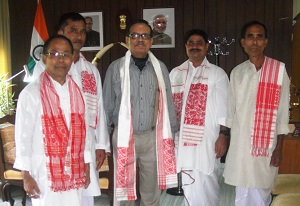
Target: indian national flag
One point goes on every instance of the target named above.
(39, 36)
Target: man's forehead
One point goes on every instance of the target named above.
(160, 18)
(196, 37)
(255, 29)
(75, 24)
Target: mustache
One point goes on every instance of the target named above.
(194, 49)
(140, 43)
(78, 41)
(61, 65)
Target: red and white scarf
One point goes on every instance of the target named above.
(64, 147)
(194, 111)
(89, 88)
(267, 101)
(165, 153)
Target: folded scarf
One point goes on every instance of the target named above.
(89, 88)
(195, 107)
(165, 153)
(267, 102)
(64, 147)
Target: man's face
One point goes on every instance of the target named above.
(76, 32)
(196, 48)
(88, 24)
(160, 24)
(254, 42)
(139, 46)
(58, 59)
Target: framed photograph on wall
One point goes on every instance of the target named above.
(94, 31)
(163, 24)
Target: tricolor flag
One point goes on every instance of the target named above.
(39, 36)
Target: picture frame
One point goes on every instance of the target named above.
(94, 38)
(163, 31)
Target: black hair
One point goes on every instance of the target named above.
(251, 23)
(74, 16)
(56, 36)
(138, 21)
(199, 32)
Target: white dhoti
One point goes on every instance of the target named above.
(252, 196)
(201, 189)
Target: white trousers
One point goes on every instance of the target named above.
(88, 201)
(252, 196)
(201, 189)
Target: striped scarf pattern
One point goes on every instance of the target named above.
(64, 147)
(267, 102)
(126, 165)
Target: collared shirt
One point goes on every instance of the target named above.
(143, 89)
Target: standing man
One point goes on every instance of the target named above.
(258, 106)
(52, 150)
(200, 96)
(87, 77)
(92, 36)
(138, 103)
(159, 27)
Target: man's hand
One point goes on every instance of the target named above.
(276, 157)
(277, 153)
(221, 145)
(30, 185)
(87, 175)
(100, 156)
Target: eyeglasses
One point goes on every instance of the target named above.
(56, 55)
(161, 22)
(197, 43)
(137, 36)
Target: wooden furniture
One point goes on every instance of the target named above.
(291, 156)
(9, 177)
(106, 178)
(289, 199)
(286, 183)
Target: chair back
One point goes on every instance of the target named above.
(7, 144)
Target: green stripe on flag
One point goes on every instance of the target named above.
(31, 64)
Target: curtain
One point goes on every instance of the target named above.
(5, 54)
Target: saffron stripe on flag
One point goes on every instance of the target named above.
(39, 34)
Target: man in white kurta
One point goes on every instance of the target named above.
(88, 79)
(253, 170)
(200, 96)
(36, 154)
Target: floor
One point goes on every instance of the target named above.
(227, 196)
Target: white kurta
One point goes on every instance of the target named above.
(200, 162)
(241, 168)
(99, 136)
(30, 153)
(202, 157)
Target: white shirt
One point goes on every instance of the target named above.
(202, 157)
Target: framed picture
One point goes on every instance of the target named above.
(94, 31)
(163, 25)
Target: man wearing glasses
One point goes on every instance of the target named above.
(159, 27)
(138, 103)
(54, 160)
(200, 96)
(87, 77)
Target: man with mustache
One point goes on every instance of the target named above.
(159, 27)
(87, 77)
(52, 150)
(138, 103)
(258, 115)
(200, 95)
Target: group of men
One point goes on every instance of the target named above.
(63, 121)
